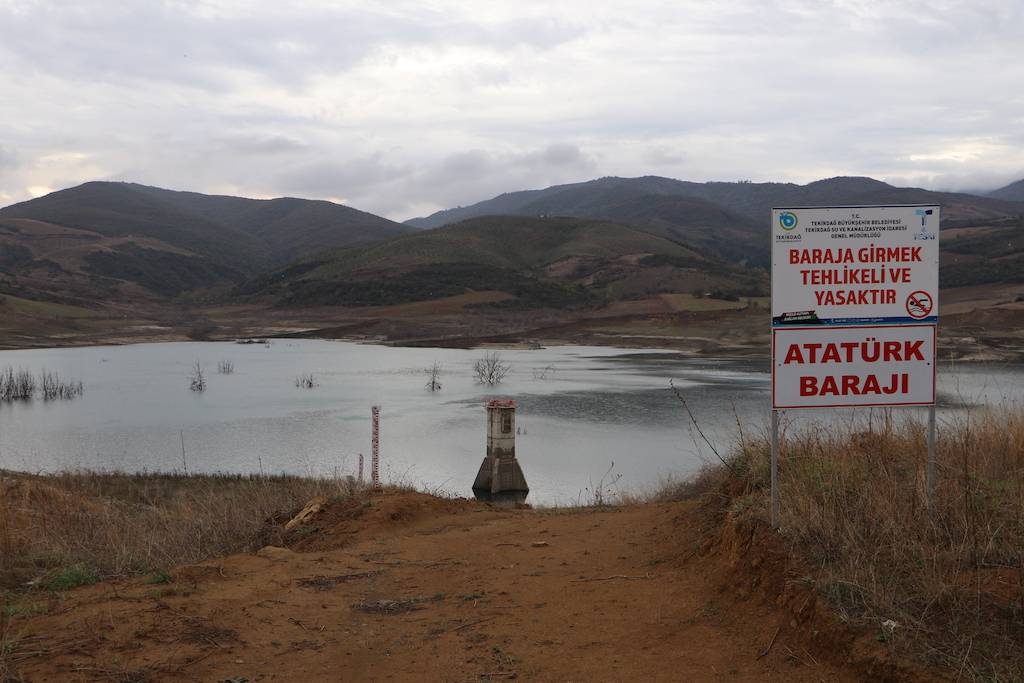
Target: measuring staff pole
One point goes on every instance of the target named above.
(775, 469)
(930, 470)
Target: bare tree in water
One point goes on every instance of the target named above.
(490, 369)
(434, 372)
(197, 381)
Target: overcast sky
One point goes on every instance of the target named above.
(402, 108)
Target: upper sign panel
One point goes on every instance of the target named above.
(855, 265)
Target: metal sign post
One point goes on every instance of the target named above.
(930, 468)
(854, 313)
(775, 469)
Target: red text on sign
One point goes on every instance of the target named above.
(855, 385)
(869, 351)
(870, 254)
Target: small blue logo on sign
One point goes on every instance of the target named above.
(787, 220)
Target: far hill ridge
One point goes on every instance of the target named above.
(94, 240)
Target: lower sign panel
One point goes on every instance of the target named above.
(832, 367)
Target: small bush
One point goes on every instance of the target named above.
(70, 577)
(307, 381)
(160, 576)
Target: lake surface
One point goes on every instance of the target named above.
(580, 410)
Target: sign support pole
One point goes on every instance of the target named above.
(930, 471)
(775, 469)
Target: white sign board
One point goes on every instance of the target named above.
(846, 366)
(855, 265)
(854, 306)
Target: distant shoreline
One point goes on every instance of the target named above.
(951, 348)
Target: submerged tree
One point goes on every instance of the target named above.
(543, 373)
(434, 372)
(490, 369)
(197, 381)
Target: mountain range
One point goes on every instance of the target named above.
(568, 245)
(717, 214)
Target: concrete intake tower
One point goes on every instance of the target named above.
(500, 478)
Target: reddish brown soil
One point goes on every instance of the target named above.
(413, 588)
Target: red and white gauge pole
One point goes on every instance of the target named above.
(375, 459)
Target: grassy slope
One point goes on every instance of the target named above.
(989, 254)
(289, 226)
(656, 205)
(504, 242)
(119, 209)
(164, 241)
(545, 262)
(945, 585)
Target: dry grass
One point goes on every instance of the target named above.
(945, 585)
(55, 528)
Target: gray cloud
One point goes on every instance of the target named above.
(261, 144)
(194, 44)
(8, 159)
(404, 107)
(342, 179)
(483, 174)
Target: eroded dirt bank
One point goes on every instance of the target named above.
(407, 587)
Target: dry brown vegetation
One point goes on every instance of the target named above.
(945, 585)
(94, 525)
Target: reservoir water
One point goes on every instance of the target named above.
(581, 409)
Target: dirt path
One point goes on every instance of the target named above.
(412, 588)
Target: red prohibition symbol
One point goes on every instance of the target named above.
(919, 304)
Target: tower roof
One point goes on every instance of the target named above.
(501, 403)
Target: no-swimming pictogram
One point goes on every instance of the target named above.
(919, 304)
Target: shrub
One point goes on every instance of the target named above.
(853, 503)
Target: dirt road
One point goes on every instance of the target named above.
(414, 588)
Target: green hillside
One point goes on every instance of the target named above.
(543, 262)
(289, 227)
(122, 209)
(654, 204)
(123, 240)
(729, 219)
(982, 255)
